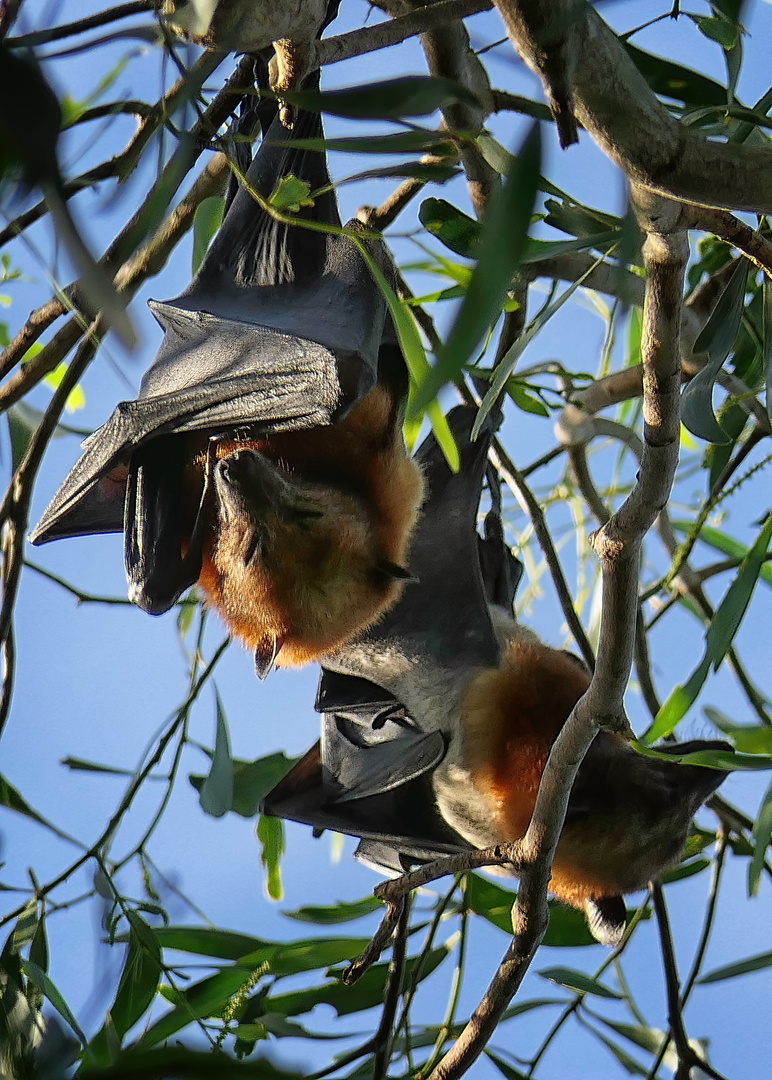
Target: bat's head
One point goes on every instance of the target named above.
(294, 565)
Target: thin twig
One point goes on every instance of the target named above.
(688, 1058)
(82, 26)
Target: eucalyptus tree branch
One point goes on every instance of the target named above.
(688, 1059)
(608, 278)
(503, 101)
(449, 54)
(529, 505)
(402, 26)
(613, 101)
(721, 223)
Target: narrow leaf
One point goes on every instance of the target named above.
(339, 913)
(206, 222)
(502, 243)
(12, 800)
(139, 978)
(270, 834)
(718, 639)
(675, 81)
(415, 357)
(413, 95)
(742, 967)
(216, 794)
(37, 976)
(716, 339)
(762, 833)
(578, 982)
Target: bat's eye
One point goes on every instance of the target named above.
(303, 515)
(253, 548)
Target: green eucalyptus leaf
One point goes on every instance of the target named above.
(741, 967)
(206, 221)
(578, 982)
(47, 987)
(762, 834)
(339, 913)
(502, 243)
(672, 80)
(413, 95)
(216, 793)
(270, 834)
(716, 339)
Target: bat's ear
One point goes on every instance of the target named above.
(607, 919)
(501, 570)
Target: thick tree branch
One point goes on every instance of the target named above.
(613, 101)
(618, 545)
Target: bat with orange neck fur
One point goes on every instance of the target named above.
(263, 457)
(439, 720)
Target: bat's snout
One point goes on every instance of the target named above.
(246, 480)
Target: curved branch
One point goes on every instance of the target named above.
(613, 101)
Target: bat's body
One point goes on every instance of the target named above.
(263, 457)
(482, 701)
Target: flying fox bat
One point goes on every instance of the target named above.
(438, 722)
(263, 457)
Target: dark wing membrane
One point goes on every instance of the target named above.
(281, 328)
(370, 777)
(445, 612)
(269, 380)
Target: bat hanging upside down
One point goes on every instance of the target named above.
(439, 720)
(263, 457)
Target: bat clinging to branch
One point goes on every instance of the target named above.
(438, 722)
(263, 457)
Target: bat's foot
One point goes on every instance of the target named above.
(289, 66)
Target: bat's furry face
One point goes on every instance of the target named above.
(310, 535)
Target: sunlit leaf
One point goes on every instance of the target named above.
(291, 194)
(270, 834)
(206, 221)
(418, 366)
